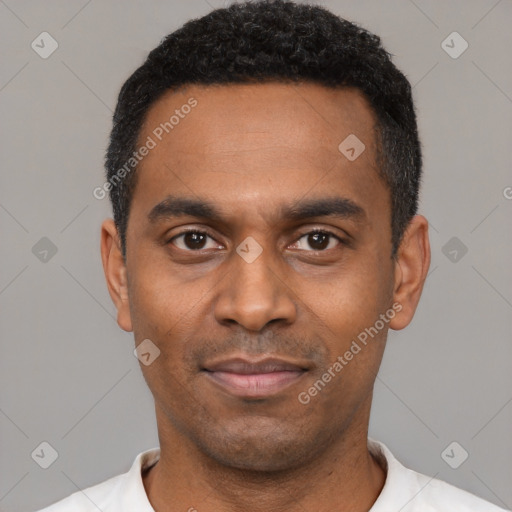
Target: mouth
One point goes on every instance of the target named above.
(254, 379)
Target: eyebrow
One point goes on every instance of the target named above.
(339, 207)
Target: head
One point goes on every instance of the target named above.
(273, 41)
(249, 226)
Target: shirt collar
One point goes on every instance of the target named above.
(396, 491)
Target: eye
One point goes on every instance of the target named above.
(192, 240)
(196, 240)
(318, 240)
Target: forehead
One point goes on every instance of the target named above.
(256, 144)
(238, 116)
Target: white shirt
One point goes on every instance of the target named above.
(404, 490)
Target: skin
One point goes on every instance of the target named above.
(250, 149)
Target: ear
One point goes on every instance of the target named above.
(115, 273)
(411, 267)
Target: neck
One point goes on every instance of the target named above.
(345, 477)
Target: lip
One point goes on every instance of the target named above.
(251, 378)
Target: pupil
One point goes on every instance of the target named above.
(194, 238)
(319, 245)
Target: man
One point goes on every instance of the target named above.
(263, 168)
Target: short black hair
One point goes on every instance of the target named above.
(274, 40)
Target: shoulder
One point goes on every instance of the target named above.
(410, 491)
(440, 495)
(122, 492)
(90, 499)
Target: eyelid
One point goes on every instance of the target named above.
(306, 231)
(327, 231)
(341, 241)
(184, 231)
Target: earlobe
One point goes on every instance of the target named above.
(411, 267)
(114, 268)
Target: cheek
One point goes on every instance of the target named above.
(163, 313)
(157, 298)
(353, 298)
(348, 310)
(170, 310)
(349, 313)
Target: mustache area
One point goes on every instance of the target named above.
(312, 348)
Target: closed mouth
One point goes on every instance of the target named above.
(245, 378)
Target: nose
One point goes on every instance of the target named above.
(255, 293)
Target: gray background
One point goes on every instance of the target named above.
(67, 372)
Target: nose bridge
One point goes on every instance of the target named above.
(254, 294)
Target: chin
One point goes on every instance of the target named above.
(260, 447)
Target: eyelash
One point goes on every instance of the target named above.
(311, 232)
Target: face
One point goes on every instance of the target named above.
(257, 254)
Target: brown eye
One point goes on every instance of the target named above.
(191, 240)
(318, 240)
